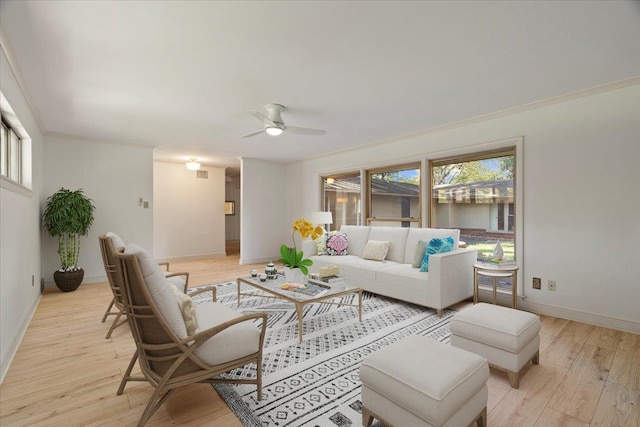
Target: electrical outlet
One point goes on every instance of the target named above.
(537, 283)
(551, 285)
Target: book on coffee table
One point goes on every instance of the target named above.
(309, 289)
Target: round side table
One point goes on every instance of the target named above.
(496, 272)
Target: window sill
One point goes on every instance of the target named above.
(14, 187)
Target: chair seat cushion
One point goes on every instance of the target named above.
(240, 340)
(501, 327)
(429, 379)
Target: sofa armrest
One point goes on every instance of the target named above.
(451, 277)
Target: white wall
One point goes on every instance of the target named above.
(581, 198)
(263, 223)
(232, 222)
(115, 176)
(19, 233)
(188, 218)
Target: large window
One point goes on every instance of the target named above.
(342, 199)
(394, 196)
(476, 194)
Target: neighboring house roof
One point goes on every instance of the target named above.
(352, 184)
(500, 190)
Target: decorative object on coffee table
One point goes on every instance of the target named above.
(291, 258)
(67, 216)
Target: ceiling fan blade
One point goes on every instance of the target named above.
(262, 118)
(305, 131)
(253, 134)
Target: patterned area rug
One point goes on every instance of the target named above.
(315, 383)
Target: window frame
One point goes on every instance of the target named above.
(323, 203)
(369, 218)
(517, 145)
(16, 153)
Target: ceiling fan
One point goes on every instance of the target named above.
(274, 125)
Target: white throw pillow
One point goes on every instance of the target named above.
(376, 250)
(188, 310)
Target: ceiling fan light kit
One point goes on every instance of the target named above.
(274, 131)
(274, 125)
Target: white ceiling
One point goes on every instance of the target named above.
(182, 75)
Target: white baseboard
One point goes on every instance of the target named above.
(193, 257)
(257, 260)
(16, 344)
(566, 313)
(581, 316)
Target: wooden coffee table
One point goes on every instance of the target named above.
(271, 287)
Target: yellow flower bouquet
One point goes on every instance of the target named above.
(290, 256)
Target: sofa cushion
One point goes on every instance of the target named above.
(403, 275)
(160, 290)
(436, 246)
(398, 238)
(338, 244)
(376, 250)
(416, 234)
(358, 236)
(421, 248)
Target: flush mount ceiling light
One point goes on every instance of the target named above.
(192, 165)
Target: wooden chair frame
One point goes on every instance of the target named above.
(168, 362)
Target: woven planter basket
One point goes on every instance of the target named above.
(68, 281)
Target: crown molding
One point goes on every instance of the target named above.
(97, 140)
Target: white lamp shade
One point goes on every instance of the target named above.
(321, 218)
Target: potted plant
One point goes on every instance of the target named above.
(67, 216)
(293, 259)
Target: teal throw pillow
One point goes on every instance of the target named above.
(436, 246)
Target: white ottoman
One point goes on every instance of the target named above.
(421, 382)
(507, 338)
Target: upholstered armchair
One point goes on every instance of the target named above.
(178, 343)
(110, 243)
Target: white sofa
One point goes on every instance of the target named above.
(448, 281)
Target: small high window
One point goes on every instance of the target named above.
(15, 150)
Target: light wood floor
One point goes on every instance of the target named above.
(65, 373)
